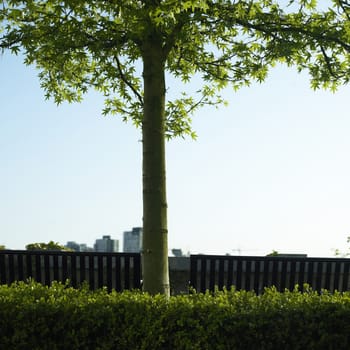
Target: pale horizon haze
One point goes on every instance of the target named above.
(269, 172)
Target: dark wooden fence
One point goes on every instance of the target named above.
(255, 273)
(114, 270)
(122, 271)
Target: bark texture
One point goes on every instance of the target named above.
(155, 231)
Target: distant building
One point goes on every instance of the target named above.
(73, 245)
(177, 252)
(85, 248)
(106, 244)
(78, 247)
(132, 242)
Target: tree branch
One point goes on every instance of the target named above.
(328, 63)
(169, 44)
(127, 82)
(344, 5)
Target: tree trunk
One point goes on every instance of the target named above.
(155, 232)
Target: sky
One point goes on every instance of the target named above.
(269, 172)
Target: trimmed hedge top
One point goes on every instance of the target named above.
(33, 316)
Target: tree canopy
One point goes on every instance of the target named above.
(80, 44)
(47, 246)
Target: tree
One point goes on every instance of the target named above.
(47, 246)
(273, 253)
(78, 44)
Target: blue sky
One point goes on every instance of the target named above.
(269, 172)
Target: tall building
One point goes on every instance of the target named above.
(78, 247)
(85, 248)
(132, 242)
(73, 245)
(106, 244)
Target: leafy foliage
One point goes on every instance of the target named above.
(47, 246)
(81, 44)
(59, 317)
(273, 253)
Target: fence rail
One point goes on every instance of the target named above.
(114, 270)
(255, 273)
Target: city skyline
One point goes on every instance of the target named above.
(268, 172)
(132, 243)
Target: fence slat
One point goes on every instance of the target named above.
(301, 277)
(319, 275)
(3, 279)
(100, 271)
(239, 274)
(65, 274)
(11, 274)
(194, 273)
(29, 266)
(55, 268)
(118, 286)
(203, 275)
(212, 273)
(266, 265)
(283, 283)
(38, 268)
(229, 274)
(328, 276)
(20, 263)
(274, 280)
(310, 273)
(346, 276)
(92, 272)
(73, 265)
(336, 281)
(47, 279)
(127, 272)
(109, 273)
(257, 277)
(248, 271)
(82, 267)
(137, 271)
(293, 268)
(221, 273)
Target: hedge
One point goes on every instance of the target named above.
(33, 316)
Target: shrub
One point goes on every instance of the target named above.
(33, 316)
